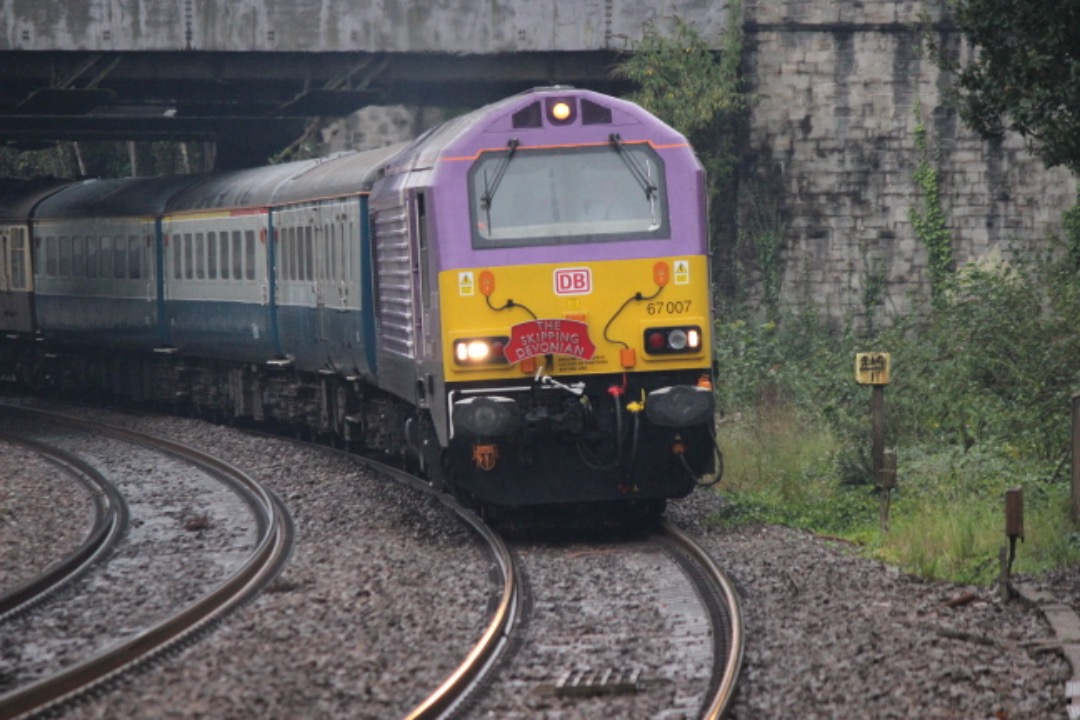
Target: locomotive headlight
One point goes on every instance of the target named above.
(561, 111)
(480, 351)
(477, 351)
(673, 340)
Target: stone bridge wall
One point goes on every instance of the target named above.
(831, 156)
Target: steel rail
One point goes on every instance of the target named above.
(110, 523)
(276, 538)
(456, 687)
(719, 705)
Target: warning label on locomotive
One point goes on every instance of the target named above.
(549, 337)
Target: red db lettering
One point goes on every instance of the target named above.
(573, 281)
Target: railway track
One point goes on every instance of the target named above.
(110, 523)
(718, 620)
(271, 550)
(675, 647)
(725, 612)
(507, 636)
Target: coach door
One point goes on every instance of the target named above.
(16, 313)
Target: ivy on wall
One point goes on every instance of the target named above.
(928, 217)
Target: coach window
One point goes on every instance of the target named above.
(308, 251)
(211, 255)
(78, 257)
(200, 256)
(105, 256)
(177, 245)
(335, 253)
(295, 253)
(18, 262)
(51, 260)
(249, 254)
(303, 241)
(348, 259)
(224, 258)
(119, 257)
(65, 257)
(189, 256)
(134, 257)
(93, 261)
(288, 254)
(237, 255)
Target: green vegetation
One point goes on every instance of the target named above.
(928, 220)
(979, 403)
(105, 159)
(1022, 74)
(983, 371)
(699, 93)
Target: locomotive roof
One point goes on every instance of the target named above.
(19, 196)
(464, 131)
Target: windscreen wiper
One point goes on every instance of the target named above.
(631, 162)
(500, 170)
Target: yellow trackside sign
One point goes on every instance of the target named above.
(872, 368)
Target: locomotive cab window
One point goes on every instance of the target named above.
(601, 193)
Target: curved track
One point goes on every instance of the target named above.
(110, 522)
(726, 614)
(443, 701)
(276, 536)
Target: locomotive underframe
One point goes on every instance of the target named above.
(586, 438)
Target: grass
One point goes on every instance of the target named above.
(946, 515)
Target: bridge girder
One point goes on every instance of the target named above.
(260, 100)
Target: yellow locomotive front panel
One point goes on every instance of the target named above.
(616, 316)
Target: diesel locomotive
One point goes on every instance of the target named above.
(517, 303)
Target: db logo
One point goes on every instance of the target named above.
(573, 281)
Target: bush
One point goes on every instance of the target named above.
(979, 402)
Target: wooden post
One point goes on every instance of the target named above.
(886, 481)
(1014, 528)
(873, 369)
(877, 425)
(1076, 457)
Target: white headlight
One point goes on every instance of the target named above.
(677, 339)
(478, 350)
